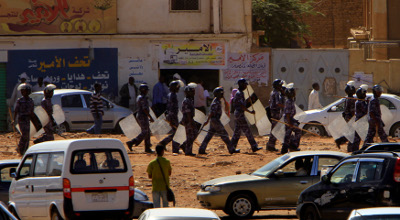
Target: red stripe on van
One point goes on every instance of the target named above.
(121, 188)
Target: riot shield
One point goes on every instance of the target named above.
(160, 127)
(130, 127)
(180, 134)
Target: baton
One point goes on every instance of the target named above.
(295, 127)
(351, 98)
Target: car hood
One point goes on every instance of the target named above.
(314, 111)
(231, 179)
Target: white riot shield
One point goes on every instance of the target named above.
(387, 116)
(180, 134)
(42, 115)
(338, 127)
(58, 114)
(199, 116)
(351, 132)
(229, 130)
(32, 130)
(224, 119)
(203, 133)
(180, 116)
(260, 112)
(130, 127)
(160, 127)
(263, 126)
(279, 131)
(361, 126)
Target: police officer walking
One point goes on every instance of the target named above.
(291, 142)
(276, 106)
(47, 105)
(188, 120)
(349, 112)
(361, 111)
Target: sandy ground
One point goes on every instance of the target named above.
(189, 172)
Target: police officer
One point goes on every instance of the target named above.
(47, 105)
(361, 111)
(291, 142)
(374, 120)
(239, 105)
(24, 109)
(216, 126)
(188, 120)
(349, 111)
(276, 106)
(143, 116)
(172, 115)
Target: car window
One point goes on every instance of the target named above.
(344, 173)
(71, 101)
(339, 107)
(369, 171)
(87, 99)
(326, 161)
(298, 167)
(387, 103)
(5, 174)
(41, 165)
(25, 169)
(98, 161)
(55, 164)
(271, 166)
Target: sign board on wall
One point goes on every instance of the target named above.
(134, 67)
(193, 55)
(67, 68)
(251, 66)
(58, 17)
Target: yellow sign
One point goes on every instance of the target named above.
(18, 17)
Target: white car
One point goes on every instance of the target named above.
(76, 106)
(320, 118)
(386, 213)
(178, 213)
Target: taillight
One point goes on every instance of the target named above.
(131, 186)
(67, 188)
(396, 173)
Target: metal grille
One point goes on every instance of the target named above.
(184, 5)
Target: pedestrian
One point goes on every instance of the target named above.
(276, 106)
(181, 92)
(290, 142)
(143, 117)
(159, 170)
(216, 127)
(200, 101)
(96, 108)
(160, 96)
(24, 111)
(47, 105)
(39, 86)
(349, 111)
(375, 117)
(172, 116)
(188, 120)
(313, 98)
(361, 111)
(128, 94)
(239, 105)
(16, 93)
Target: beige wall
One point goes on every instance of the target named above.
(385, 72)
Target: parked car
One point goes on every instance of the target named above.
(380, 213)
(5, 214)
(359, 181)
(329, 113)
(379, 147)
(178, 213)
(5, 180)
(142, 203)
(69, 179)
(273, 186)
(76, 106)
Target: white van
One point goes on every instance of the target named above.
(72, 179)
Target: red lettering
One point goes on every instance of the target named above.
(40, 11)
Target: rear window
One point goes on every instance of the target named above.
(98, 161)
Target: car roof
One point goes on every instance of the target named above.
(66, 91)
(376, 154)
(64, 145)
(182, 212)
(10, 161)
(378, 210)
(307, 153)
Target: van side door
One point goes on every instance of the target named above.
(20, 190)
(38, 185)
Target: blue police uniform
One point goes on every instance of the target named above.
(375, 122)
(189, 123)
(361, 110)
(143, 121)
(24, 109)
(291, 141)
(276, 113)
(172, 117)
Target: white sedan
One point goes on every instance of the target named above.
(319, 119)
(178, 213)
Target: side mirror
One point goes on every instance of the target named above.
(279, 173)
(13, 172)
(334, 108)
(325, 179)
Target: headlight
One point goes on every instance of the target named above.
(212, 189)
(141, 197)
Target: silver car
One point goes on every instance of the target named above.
(76, 106)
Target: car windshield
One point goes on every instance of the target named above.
(271, 166)
(37, 98)
(98, 161)
(337, 102)
(376, 217)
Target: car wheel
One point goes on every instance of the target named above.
(310, 214)
(316, 129)
(12, 210)
(63, 127)
(55, 215)
(396, 130)
(241, 206)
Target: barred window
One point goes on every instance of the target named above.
(185, 5)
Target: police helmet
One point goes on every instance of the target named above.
(290, 92)
(350, 89)
(218, 90)
(50, 87)
(377, 88)
(189, 89)
(242, 81)
(23, 86)
(143, 87)
(361, 93)
(277, 83)
(174, 84)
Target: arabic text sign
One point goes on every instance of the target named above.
(193, 55)
(58, 16)
(67, 68)
(253, 67)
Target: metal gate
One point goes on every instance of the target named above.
(303, 67)
(3, 105)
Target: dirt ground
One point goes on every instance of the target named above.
(189, 172)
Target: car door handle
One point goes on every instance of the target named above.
(303, 182)
(27, 187)
(33, 189)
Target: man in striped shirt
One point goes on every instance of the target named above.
(96, 108)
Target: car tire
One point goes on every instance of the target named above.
(63, 127)
(395, 130)
(241, 206)
(310, 214)
(13, 211)
(55, 215)
(317, 129)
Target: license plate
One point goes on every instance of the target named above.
(99, 197)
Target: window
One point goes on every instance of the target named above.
(387, 103)
(5, 175)
(344, 174)
(71, 101)
(98, 161)
(339, 107)
(326, 161)
(298, 167)
(184, 5)
(370, 171)
(25, 169)
(41, 165)
(55, 164)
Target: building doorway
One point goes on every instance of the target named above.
(209, 77)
